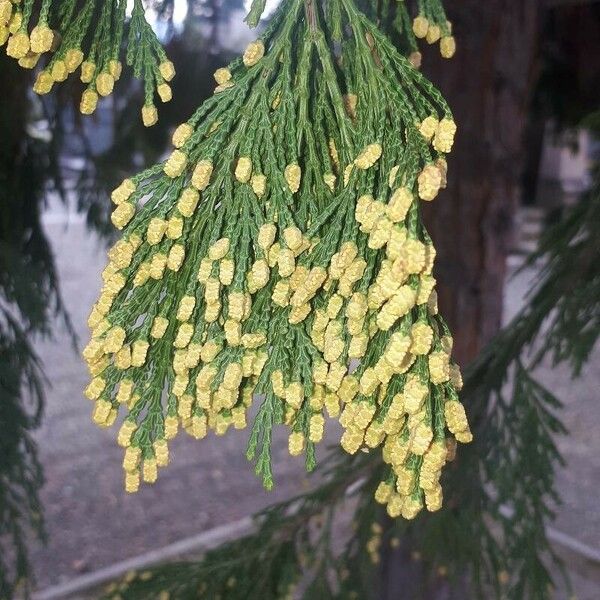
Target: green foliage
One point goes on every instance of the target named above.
(499, 497)
(68, 35)
(21, 397)
(29, 298)
(264, 193)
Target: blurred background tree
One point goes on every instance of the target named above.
(30, 303)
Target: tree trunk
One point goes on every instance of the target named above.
(488, 85)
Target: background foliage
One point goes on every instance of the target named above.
(29, 304)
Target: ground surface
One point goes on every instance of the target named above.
(579, 480)
(92, 523)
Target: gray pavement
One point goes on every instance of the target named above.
(579, 480)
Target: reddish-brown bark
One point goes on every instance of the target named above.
(488, 85)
